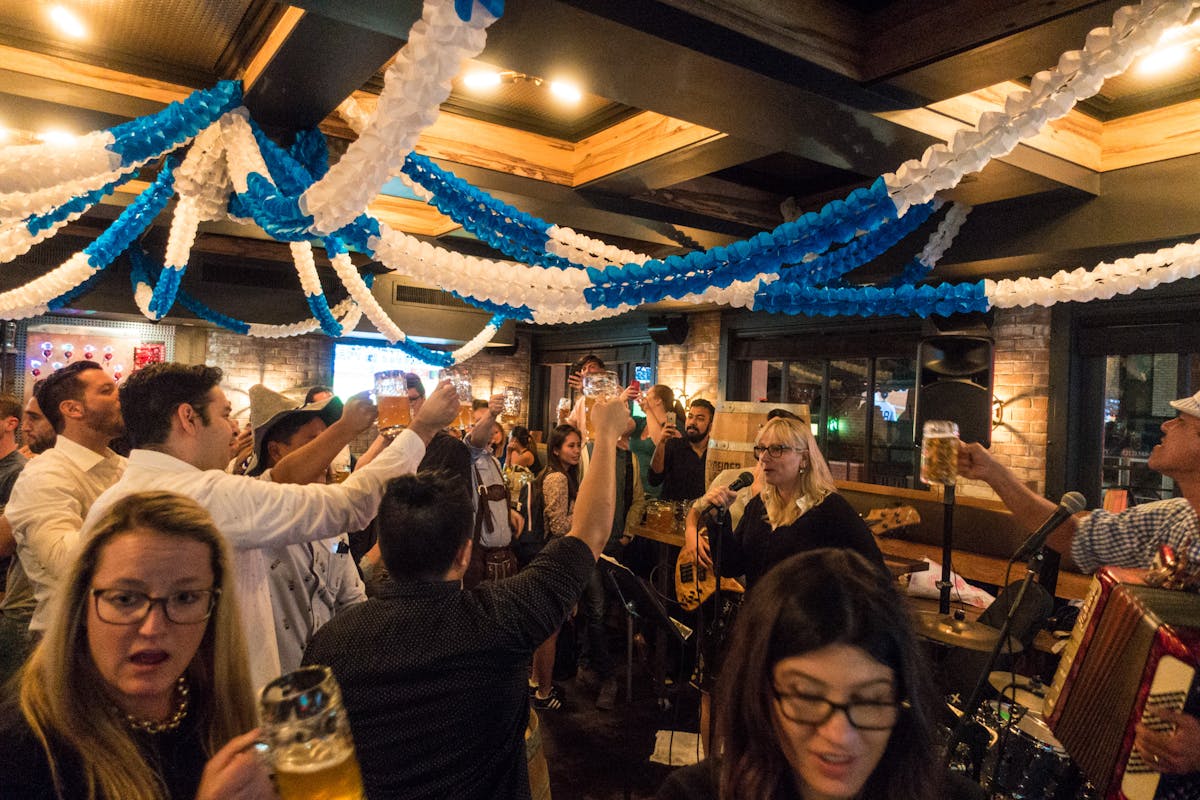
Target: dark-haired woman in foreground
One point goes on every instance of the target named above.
(823, 693)
(140, 689)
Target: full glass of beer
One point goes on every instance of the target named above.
(939, 452)
(512, 404)
(461, 380)
(391, 396)
(307, 736)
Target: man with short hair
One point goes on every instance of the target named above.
(54, 492)
(12, 635)
(433, 675)
(37, 433)
(181, 431)
(1129, 538)
(678, 461)
(309, 581)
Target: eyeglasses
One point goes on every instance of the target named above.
(866, 715)
(774, 450)
(127, 607)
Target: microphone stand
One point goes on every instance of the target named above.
(716, 540)
(945, 584)
(973, 702)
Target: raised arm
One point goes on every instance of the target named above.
(481, 435)
(596, 502)
(308, 464)
(1028, 508)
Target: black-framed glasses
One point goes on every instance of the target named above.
(129, 607)
(866, 715)
(773, 450)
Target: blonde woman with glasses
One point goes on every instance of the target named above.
(798, 509)
(140, 689)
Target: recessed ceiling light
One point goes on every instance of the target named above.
(68, 21)
(55, 137)
(481, 79)
(566, 91)
(1164, 60)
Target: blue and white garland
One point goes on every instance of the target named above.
(233, 171)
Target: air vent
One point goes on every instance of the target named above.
(428, 297)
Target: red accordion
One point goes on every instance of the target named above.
(1135, 649)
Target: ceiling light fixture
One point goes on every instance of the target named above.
(481, 80)
(566, 91)
(485, 80)
(1165, 60)
(57, 137)
(67, 21)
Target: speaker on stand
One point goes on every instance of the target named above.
(954, 382)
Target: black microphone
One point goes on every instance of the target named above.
(739, 483)
(1072, 503)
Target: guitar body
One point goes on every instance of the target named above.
(695, 583)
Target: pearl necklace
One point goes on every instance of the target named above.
(170, 723)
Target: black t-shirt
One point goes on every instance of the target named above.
(682, 477)
(754, 547)
(434, 676)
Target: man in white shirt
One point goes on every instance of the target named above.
(178, 422)
(54, 492)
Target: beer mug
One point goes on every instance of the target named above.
(307, 739)
(391, 396)
(562, 410)
(597, 386)
(460, 379)
(939, 452)
(512, 404)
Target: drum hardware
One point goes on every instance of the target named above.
(957, 630)
(1020, 689)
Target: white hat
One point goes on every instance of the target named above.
(1188, 405)
(268, 408)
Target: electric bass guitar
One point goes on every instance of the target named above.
(885, 521)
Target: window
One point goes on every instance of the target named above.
(859, 389)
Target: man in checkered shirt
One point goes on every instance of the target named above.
(1127, 539)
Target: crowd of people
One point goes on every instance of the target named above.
(166, 564)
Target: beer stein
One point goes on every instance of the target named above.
(391, 396)
(939, 452)
(307, 739)
(597, 386)
(512, 404)
(460, 379)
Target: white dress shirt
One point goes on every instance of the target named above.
(47, 507)
(254, 514)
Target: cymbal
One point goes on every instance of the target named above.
(1020, 689)
(964, 633)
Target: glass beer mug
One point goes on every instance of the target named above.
(597, 386)
(460, 379)
(391, 396)
(307, 737)
(939, 452)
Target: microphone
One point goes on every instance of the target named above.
(739, 483)
(1072, 503)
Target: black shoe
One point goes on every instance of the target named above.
(553, 702)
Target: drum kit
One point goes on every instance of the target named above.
(1018, 756)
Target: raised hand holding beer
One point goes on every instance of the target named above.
(236, 773)
(438, 411)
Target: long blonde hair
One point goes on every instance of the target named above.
(63, 696)
(813, 484)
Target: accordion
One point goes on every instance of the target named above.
(1134, 650)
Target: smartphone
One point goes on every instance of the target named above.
(670, 417)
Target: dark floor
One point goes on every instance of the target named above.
(595, 754)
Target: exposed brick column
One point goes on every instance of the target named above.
(694, 365)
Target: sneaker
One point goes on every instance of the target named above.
(553, 702)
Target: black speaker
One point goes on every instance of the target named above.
(671, 329)
(954, 382)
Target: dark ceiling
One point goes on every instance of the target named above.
(809, 95)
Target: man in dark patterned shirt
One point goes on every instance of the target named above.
(434, 676)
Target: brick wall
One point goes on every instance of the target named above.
(490, 374)
(693, 366)
(289, 366)
(1022, 383)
